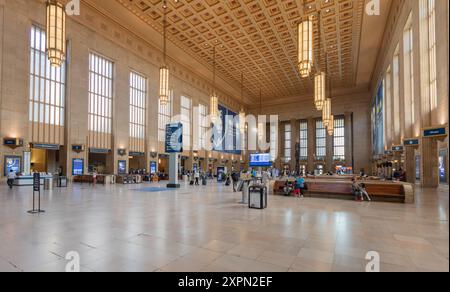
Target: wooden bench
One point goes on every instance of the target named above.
(335, 188)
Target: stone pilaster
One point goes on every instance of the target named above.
(329, 158)
(349, 158)
(410, 164)
(311, 143)
(429, 163)
(295, 138)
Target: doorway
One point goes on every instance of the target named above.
(45, 161)
(98, 163)
(137, 164)
(163, 165)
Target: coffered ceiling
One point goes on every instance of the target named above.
(259, 39)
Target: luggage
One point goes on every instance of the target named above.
(204, 182)
(240, 186)
(191, 183)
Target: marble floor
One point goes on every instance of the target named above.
(129, 228)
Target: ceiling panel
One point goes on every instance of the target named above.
(259, 38)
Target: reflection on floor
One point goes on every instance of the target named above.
(117, 228)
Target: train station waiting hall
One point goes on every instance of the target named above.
(224, 136)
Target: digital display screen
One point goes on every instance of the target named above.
(152, 167)
(122, 167)
(77, 166)
(12, 163)
(260, 160)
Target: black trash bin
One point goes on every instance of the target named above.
(257, 197)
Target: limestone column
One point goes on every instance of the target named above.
(410, 164)
(295, 138)
(311, 143)
(280, 145)
(348, 122)
(429, 163)
(329, 158)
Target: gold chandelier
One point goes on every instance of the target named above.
(56, 33)
(305, 47)
(214, 99)
(260, 125)
(326, 113)
(320, 78)
(319, 92)
(164, 72)
(330, 127)
(242, 115)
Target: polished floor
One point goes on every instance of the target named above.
(137, 228)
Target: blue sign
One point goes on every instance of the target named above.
(152, 167)
(77, 166)
(397, 148)
(99, 150)
(174, 138)
(378, 121)
(411, 142)
(12, 163)
(122, 167)
(260, 160)
(46, 146)
(435, 132)
(226, 135)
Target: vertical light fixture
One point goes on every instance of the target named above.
(330, 127)
(305, 47)
(326, 114)
(320, 78)
(260, 125)
(164, 70)
(319, 90)
(56, 33)
(242, 115)
(214, 100)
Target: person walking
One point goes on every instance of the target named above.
(235, 178)
(197, 178)
(11, 178)
(94, 178)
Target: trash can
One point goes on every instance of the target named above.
(257, 197)
(48, 184)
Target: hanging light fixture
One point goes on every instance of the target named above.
(56, 33)
(330, 127)
(214, 100)
(260, 125)
(242, 115)
(164, 72)
(319, 92)
(326, 114)
(320, 78)
(305, 47)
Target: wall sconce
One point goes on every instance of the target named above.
(122, 152)
(153, 154)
